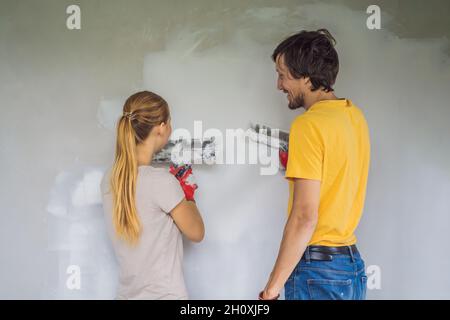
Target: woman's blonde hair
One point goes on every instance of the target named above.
(141, 112)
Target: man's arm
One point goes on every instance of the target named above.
(297, 233)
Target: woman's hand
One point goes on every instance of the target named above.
(184, 175)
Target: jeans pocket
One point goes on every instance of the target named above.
(324, 289)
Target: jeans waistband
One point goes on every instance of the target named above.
(324, 253)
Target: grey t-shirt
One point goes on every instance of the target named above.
(153, 268)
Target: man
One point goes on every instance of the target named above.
(327, 168)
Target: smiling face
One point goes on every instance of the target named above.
(295, 89)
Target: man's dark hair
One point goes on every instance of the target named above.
(311, 54)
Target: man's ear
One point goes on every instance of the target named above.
(307, 83)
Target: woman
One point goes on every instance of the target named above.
(145, 208)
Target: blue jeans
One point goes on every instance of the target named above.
(343, 278)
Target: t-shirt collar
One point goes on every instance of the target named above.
(335, 102)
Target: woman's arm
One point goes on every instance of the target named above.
(188, 220)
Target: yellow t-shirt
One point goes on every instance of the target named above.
(330, 142)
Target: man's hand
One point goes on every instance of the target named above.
(184, 175)
(267, 295)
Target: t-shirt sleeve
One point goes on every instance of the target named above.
(169, 193)
(305, 156)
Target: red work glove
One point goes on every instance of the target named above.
(184, 175)
(283, 154)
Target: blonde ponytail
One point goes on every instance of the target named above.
(142, 111)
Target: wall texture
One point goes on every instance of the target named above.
(61, 91)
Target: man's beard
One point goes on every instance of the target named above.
(297, 102)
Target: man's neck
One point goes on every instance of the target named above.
(319, 96)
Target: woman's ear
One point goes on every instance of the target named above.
(160, 128)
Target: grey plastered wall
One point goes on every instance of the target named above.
(62, 89)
